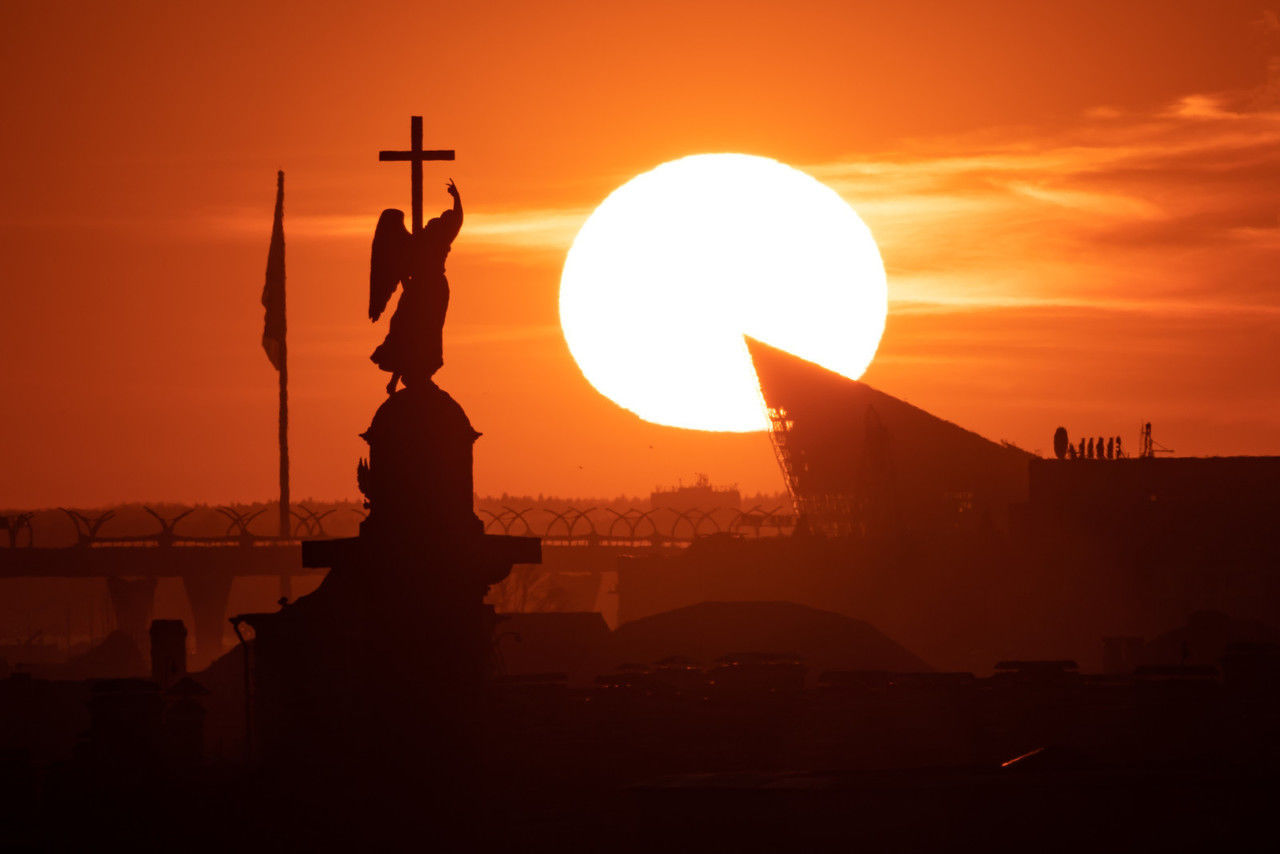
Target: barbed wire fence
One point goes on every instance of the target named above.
(661, 527)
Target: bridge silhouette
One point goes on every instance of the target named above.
(575, 540)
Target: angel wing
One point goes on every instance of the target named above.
(389, 263)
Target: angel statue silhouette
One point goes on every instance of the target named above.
(413, 349)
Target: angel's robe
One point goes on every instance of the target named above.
(414, 346)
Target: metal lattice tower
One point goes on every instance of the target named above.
(779, 436)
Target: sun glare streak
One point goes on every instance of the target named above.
(675, 266)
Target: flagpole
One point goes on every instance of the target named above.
(284, 441)
(274, 333)
(284, 393)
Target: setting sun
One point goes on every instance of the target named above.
(679, 263)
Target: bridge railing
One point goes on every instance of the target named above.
(93, 530)
(661, 527)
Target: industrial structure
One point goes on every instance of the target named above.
(963, 548)
(859, 461)
(699, 495)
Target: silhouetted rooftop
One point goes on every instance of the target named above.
(846, 445)
(708, 631)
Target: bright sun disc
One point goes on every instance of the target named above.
(677, 264)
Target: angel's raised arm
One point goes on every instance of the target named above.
(453, 216)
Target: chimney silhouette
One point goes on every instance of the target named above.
(168, 652)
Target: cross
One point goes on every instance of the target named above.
(415, 155)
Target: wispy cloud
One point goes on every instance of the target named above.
(345, 340)
(537, 230)
(475, 334)
(1168, 209)
(546, 230)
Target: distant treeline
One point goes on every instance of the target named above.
(622, 503)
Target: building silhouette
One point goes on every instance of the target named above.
(964, 549)
(857, 460)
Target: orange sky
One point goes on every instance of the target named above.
(1077, 207)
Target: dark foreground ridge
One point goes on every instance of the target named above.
(751, 750)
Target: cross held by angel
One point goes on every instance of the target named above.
(413, 349)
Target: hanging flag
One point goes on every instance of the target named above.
(273, 325)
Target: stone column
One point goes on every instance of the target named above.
(208, 592)
(133, 600)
